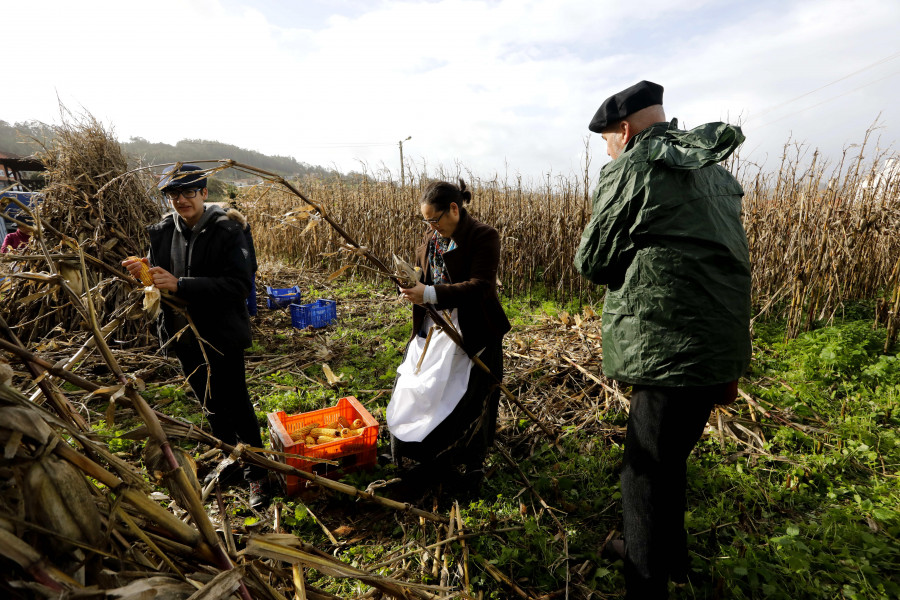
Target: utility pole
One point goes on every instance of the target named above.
(401, 157)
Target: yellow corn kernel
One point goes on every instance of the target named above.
(144, 276)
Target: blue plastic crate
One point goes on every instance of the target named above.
(331, 305)
(316, 314)
(281, 297)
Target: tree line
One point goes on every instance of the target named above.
(25, 138)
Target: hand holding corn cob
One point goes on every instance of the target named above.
(150, 276)
(408, 275)
(139, 269)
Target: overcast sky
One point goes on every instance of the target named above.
(498, 86)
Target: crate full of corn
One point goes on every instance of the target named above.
(345, 434)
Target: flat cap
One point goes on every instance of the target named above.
(185, 177)
(628, 101)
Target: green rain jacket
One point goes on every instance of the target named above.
(666, 239)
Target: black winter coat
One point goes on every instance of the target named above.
(472, 268)
(216, 281)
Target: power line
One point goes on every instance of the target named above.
(858, 71)
(828, 100)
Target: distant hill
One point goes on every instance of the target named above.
(17, 139)
(154, 153)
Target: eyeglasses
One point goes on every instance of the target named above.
(188, 194)
(436, 220)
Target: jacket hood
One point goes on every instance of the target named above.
(700, 147)
(231, 212)
(237, 216)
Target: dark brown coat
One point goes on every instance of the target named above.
(472, 268)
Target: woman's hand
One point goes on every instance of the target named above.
(415, 294)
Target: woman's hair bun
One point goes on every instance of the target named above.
(464, 194)
(441, 193)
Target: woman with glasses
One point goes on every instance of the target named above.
(443, 412)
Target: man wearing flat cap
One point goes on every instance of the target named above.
(666, 239)
(199, 253)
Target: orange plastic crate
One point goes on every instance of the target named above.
(351, 454)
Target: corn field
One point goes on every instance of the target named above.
(820, 234)
(385, 218)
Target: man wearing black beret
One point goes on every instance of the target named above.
(199, 253)
(666, 239)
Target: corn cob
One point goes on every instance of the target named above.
(345, 432)
(303, 431)
(330, 431)
(144, 276)
(322, 439)
(357, 423)
(343, 422)
(333, 425)
(307, 428)
(310, 441)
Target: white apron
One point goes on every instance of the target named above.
(422, 400)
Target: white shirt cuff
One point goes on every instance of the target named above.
(430, 296)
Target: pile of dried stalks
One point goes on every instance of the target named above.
(75, 224)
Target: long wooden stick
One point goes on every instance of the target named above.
(425, 349)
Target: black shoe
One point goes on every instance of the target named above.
(259, 494)
(229, 475)
(614, 550)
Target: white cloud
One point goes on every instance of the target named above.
(493, 85)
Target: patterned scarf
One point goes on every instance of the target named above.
(436, 249)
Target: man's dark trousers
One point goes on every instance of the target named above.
(664, 424)
(231, 413)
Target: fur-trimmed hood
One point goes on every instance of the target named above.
(230, 212)
(237, 216)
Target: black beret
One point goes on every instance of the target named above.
(182, 178)
(628, 101)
